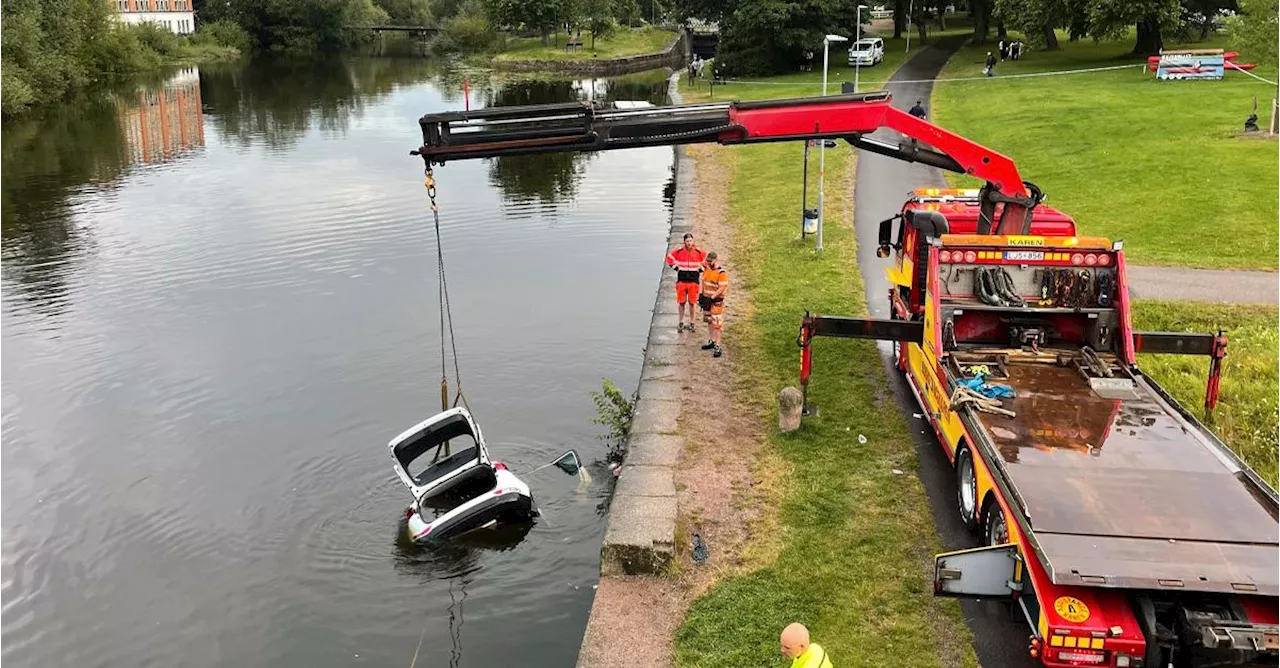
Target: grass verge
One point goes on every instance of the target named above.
(623, 43)
(1249, 411)
(1159, 164)
(856, 537)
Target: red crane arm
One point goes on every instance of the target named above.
(595, 126)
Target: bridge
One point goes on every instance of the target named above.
(420, 31)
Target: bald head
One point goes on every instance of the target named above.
(795, 640)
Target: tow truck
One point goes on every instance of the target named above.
(1119, 527)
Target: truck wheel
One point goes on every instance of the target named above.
(995, 530)
(966, 488)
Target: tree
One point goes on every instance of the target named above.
(598, 16)
(407, 12)
(980, 11)
(770, 36)
(541, 15)
(1257, 31)
(1110, 19)
(1038, 19)
(899, 18)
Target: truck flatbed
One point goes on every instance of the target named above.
(1128, 491)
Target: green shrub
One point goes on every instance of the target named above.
(157, 38)
(225, 33)
(15, 93)
(468, 31)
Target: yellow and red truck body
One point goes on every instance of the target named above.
(1052, 482)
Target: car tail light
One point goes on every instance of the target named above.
(1104, 260)
(1082, 657)
(499, 466)
(408, 512)
(944, 256)
(1090, 260)
(1077, 259)
(970, 256)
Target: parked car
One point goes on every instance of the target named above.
(866, 51)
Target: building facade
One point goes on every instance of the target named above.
(176, 15)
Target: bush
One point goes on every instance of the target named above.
(120, 51)
(157, 38)
(468, 31)
(225, 33)
(15, 93)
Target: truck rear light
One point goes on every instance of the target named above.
(1104, 260)
(944, 256)
(1082, 657)
(1123, 660)
(1077, 259)
(970, 256)
(1090, 260)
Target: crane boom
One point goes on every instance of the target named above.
(599, 126)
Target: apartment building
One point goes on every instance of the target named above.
(176, 15)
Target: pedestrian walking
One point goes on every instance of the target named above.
(687, 261)
(918, 110)
(715, 282)
(991, 64)
(1003, 47)
(804, 654)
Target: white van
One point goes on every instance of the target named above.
(866, 52)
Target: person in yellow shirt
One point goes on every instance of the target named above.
(804, 654)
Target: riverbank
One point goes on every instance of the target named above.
(628, 52)
(819, 526)
(1162, 165)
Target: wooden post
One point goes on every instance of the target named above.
(1274, 126)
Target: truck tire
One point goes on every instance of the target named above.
(995, 530)
(966, 488)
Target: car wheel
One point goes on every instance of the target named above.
(996, 531)
(966, 488)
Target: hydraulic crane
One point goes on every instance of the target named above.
(1118, 526)
(596, 126)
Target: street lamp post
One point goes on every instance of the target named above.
(857, 62)
(822, 150)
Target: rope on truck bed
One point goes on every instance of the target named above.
(964, 396)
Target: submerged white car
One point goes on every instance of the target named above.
(444, 463)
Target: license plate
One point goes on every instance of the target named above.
(1271, 640)
(1024, 256)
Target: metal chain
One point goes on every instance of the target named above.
(446, 310)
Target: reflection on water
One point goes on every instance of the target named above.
(162, 123)
(218, 308)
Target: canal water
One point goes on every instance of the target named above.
(219, 304)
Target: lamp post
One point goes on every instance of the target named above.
(822, 150)
(857, 62)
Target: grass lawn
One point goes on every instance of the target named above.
(1247, 414)
(809, 84)
(1158, 164)
(625, 42)
(858, 539)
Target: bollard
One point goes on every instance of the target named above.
(790, 405)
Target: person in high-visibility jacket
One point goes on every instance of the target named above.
(804, 654)
(687, 261)
(715, 282)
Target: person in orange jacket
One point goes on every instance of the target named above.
(715, 282)
(687, 261)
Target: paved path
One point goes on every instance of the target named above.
(883, 184)
(1204, 285)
